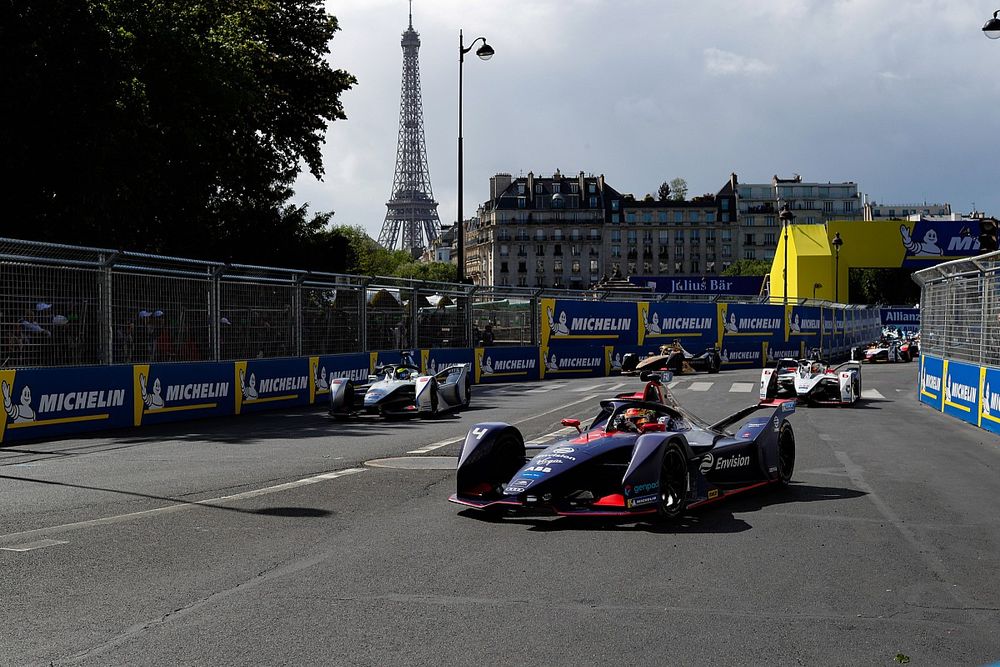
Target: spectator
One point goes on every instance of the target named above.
(488, 335)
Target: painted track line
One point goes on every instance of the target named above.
(701, 386)
(741, 388)
(118, 518)
(578, 390)
(872, 393)
(436, 445)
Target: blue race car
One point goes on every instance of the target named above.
(643, 455)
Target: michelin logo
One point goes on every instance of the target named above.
(962, 392)
(991, 402)
(736, 357)
(488, 366)
(569, 363)
(558, 328)
(153, 400)
(22, 412)
(926, 248)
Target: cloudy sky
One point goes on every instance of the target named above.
(901, 96)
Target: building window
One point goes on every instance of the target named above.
(770, 238)
(647, 217)
(574, 188)
(678, 216)
(616, 235)
(555, 187)
(504, 250)
(664, 237)
(616, 251)
(539, 249)
(811, 219)
(725, 217)
(592, 188)
(503, 267)
(769, 254)
(727, 235)
(748, 221)
(748, 253)
(557, 235)
(693, 216)
(647, 267)
(710, 235)
(574, 250)
(616, 218)
(664, 266)
(614, 204)
(538, 188)
(695, 266)
(749, 239)
(679, 237)
(695, 236)
(678, 267)
(557, 265)
(557, 250)
(725, 204)
(848, 207)
(661, 216)
(709, 216)
(593, 202)
(521, 202)
(727, 251)
(522, 281)
(595, 234)
(631, 268)
(630, 217)
(828, 208)
(539, 266)
(593, 266)
(540, 234)
(769, 221)
(631, 236)
(522, 267)
(576, 266)
(520, 188)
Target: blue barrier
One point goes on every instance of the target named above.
(580, 339)
(970, 392)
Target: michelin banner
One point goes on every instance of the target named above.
(506, 364)
(262, 384)
(177, 392)
(437, 359)
(931, 374)
(961, 391)
(989, 406)
(325, 369)
(572, 362)
(567, 322)
(747, 322)
(693, 324)
(52, 402)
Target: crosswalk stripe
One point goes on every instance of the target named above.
(741, 387)
(701, 386)
(591, 388)
(673, 384)
(871, 393)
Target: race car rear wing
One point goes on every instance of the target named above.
(781, 407)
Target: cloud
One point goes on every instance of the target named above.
(725, 63)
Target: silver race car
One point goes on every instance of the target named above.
(812, 381)
(397, 390)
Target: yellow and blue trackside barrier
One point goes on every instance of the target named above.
(966, 391)
(579, 339)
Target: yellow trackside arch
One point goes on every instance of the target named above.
(811, 258)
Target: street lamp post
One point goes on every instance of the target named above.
(786, 216)
(816, 286)
(837, 242)
(992, 27)
(485, 52)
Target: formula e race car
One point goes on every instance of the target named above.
(401, 390)
(643, 455)
(812, 381)
(673, 358)
(890, 349)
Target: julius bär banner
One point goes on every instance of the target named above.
(708, 285)
(694, 324)
(49, 402)
(506, 364)
(566, 322)
(177, 392)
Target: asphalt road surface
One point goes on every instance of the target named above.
(268, 540)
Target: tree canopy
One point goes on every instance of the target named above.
(663, 193)
(748, 267)
(170, 126)
(678, 189)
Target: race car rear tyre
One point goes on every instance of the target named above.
(856, 388)
(715, 364)
(674, 482)
(468, 392)
(786, 453)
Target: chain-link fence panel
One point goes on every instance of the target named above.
(331, 319)
(388, 322)
(157, 318)
(50, 315)
(257, 319)
(502, 321)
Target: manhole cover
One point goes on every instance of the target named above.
(416, 463)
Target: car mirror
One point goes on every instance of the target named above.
(572, 423)
(653, 427)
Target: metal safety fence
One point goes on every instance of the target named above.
(960, 309)
(64, 305)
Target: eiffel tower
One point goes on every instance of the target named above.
(412, 218)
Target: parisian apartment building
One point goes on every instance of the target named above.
(574, 231)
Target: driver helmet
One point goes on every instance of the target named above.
(403, 374)
(817, 367)
(639, 416)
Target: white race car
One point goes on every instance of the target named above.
(397, 390)
(812, 381)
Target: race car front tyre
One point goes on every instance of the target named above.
(786, 454)
(674, 482)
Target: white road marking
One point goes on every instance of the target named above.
(701, 386)
(618, 386)
(551, 436)
(436, 445)
(30, 546)
(315, 479)
(871, 393)
(673, 384)
(741, 387)
(582, 389)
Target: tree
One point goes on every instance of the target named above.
(748, 267)
(678, 189)
(648, 198)
(885, 286)
(172, 126)
(664, 191)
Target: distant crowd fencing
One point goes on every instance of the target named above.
(66, 305)
(960, 309)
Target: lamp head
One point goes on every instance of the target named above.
(837, 241)
(786, 214)
(992, 27)
(485, 52)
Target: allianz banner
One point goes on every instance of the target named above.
(566, 322)
(693, 324)
(904, 318)
(51, 402)
(262, 384)
(177, 392)
(506, 364)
